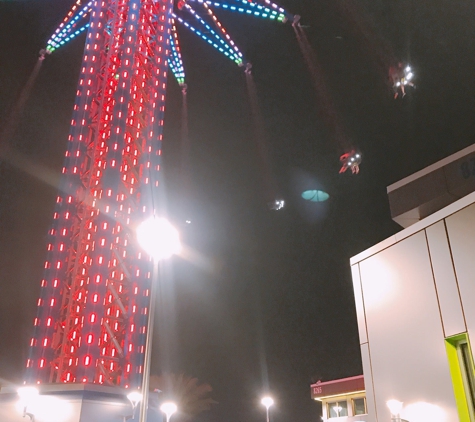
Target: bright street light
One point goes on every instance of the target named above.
(169, 409)
(134, 397)
(395, 407)
(267, 402)
(160, 240)
(42, 408)
(337, 410)
(27, 393)
(28, 398)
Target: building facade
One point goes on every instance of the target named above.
(343, 399)
(414, 295)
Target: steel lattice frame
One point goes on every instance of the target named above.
(94, 301)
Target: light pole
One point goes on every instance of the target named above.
(169, 408)
(267, 402)
(160, 240)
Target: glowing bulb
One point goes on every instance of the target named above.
(134, 397)
(267, 402)
(27, 394)
(394, 406)
(168, 408)
(158, 238)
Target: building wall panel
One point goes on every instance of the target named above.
(368, 382)
(445, 281)
(355, 273)
(461, 230)
(406, 340)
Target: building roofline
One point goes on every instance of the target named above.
(416, 227)
(320, 383)
(429, 169)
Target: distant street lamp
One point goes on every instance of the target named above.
(160, 240)
(267, 402)
(169, 409)
(337, 410)
(395, 408)
(135, 398)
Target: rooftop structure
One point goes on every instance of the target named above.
(431, 189)
(414, 301)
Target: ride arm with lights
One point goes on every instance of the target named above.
(175, 60)
(209, 35)
(399, 77)
(350, 160)
(71, 26)
(252, 9)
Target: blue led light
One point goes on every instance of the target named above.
(249, 8)
(67, 32)
(53, 45)
(175, 60)
(228, 53)
(233, 50)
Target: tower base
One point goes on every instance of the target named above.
(73, 403)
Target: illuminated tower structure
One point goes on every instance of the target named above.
(93, 306)
(94, 295)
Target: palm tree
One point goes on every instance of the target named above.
(190, 397)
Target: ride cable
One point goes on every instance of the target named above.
(17, 110)
(261, 141)
(326, 106)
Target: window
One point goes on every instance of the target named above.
(337, 409)
(359, 406)
(463, 376)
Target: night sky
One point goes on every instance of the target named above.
(267, 304)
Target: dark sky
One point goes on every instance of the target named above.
(270, 301)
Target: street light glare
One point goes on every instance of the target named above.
(43, 408)
(394, 406)
(27, 393)
(267, 402)
(134, 397)
(168, 408)
(158, 238)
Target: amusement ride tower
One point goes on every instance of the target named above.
(95, 294)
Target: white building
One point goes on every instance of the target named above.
(415, 299)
